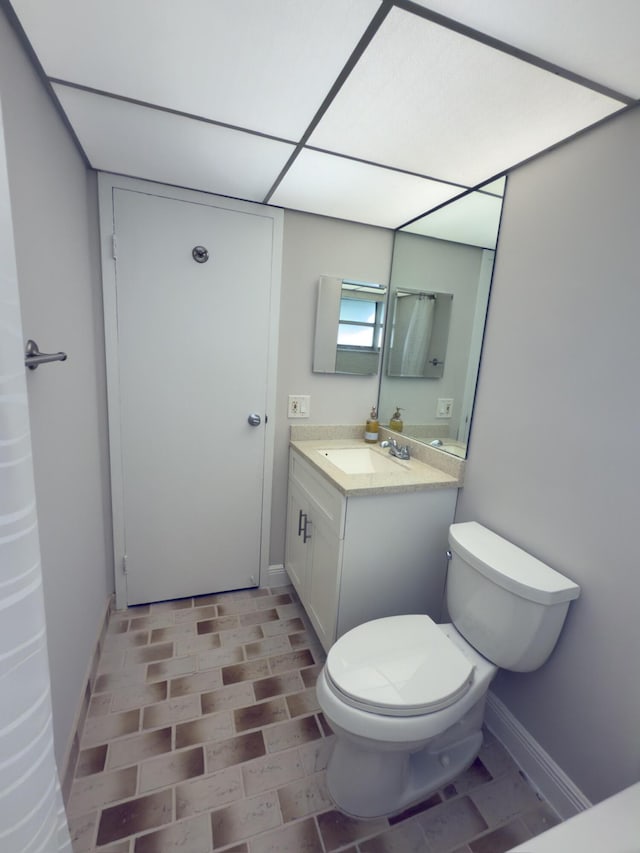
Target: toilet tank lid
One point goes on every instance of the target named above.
(509, 566)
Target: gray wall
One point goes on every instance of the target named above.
(554, 464)
(54, 212)
(315, 246)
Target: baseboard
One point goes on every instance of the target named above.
(544, 774)
(276, 576)
(67, 771)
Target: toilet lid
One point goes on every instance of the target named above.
(398, 666)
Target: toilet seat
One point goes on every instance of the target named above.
(398, 666)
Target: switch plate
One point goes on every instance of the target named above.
(299, 406)
(444, 408)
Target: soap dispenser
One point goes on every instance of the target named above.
(371, 427)
(396, 422)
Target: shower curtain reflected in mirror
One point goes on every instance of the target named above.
(416, 343)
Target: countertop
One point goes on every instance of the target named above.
(412, 475)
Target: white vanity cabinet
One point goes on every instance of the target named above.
(353, 558)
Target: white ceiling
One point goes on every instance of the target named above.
(369, 110)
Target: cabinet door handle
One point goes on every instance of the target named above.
(306, 535)
(301, 524)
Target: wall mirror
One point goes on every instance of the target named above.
(349, 326)
(418, 334)
(449, 252)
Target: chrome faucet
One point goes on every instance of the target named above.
(435, 443)
(395, 449)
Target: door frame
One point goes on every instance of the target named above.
(107, 183)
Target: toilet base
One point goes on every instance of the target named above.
(368, 784)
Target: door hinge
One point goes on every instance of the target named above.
(114, 246)
(124, 564)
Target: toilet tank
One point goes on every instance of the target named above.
(507, 604)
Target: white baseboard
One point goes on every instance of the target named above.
(276, 576)
(541, 770)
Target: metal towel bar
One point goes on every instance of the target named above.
(33, 357)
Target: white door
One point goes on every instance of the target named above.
(192, 355)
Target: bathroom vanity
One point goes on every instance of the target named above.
(363, 545)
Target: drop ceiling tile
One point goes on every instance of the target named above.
(472, 219)
(429, 100)
(333, 186)
(263, 66)
(118, 136)
(597, 39)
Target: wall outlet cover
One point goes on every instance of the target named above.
(299, 406)
(444, 408)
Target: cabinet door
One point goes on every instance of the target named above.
(296, 550)
(323, 579)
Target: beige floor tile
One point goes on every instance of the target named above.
(256, 716)
(277, 685)
(248, 671)
(283, 626)
(264, 648)
(245, 819)
(504, 799)
(133, 816)
(172, 711)
(272, 771)
(171, 668)
(259, 617)
(209, 793)
(217, 658)
(212, 727)
(228, 698)
(292, 660)
(82, 829)
(131, 750)
(290, 734)
(254, 661)
(450, 824)
(302, 703)
(119, 680)
(300, 837)
(194, 643)
(176, 766)
(304, 797)
(315, 755)
(406, 838)
(138, 696)
(338, 830)
(91, 760)
(92, 792)
(198, 682)
(236, 750)
(186, 836)
(147, 654)
(105, 728)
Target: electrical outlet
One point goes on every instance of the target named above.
(299, 406)
(444, 408)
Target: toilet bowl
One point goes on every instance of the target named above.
(405, 696)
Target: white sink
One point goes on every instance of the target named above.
(455, 449)
(361, 460)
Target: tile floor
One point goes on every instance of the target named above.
(203, 734)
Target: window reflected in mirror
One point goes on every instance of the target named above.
(349, 326)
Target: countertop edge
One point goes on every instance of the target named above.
(354, 485)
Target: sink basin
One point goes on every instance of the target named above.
(361, 460)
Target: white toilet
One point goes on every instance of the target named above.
(405, 696)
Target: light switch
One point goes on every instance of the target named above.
(444, 408)
(299, 406)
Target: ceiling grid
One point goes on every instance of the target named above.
(369, 110)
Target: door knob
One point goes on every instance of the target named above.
(254, 419)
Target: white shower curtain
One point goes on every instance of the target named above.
(32, 817)
(416, 342)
